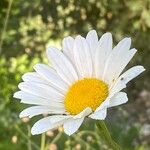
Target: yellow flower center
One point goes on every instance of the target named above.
(87, 92)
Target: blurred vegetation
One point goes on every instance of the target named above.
(32, 25)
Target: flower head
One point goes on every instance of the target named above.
(83, 80)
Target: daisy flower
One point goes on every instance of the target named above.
(83, 79)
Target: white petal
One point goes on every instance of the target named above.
(47, 123)
(118, 86)
(131, 73)
(125, 78)
(117, 59)
(31, 99)
(82, 56)
(92, 40)
(118, 99)
(50, 75)
(34, 77)
(99, 115)
(67, 45)
(72, 125)
(62, 65)
(84, 113)
(122, 64)
(28, 98)
(75, 122)
(103, 105)
(34, 111)
(103, 50)
(41, 90)
(101, 112)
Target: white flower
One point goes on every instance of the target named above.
(84, 80)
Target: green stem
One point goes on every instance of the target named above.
(5, 24)
(57, 137)
(81, 133)
(80, 140)
(29, 135)
(26, 137)
(43, 138)
(105, 134)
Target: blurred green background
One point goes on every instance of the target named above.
(27, 27)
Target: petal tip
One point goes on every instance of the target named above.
(50, 49)
(20, 115)
(92, 32)
(33, 131)
(143, 69)
(108, 33)
(17, 94)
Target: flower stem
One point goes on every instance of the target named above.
(26, 137)
(56, 138)
(5, 24)
(105, 134)
(29, 135)
(43, 138)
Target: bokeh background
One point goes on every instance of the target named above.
(27, 27)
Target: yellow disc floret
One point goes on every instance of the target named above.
(87, 92)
